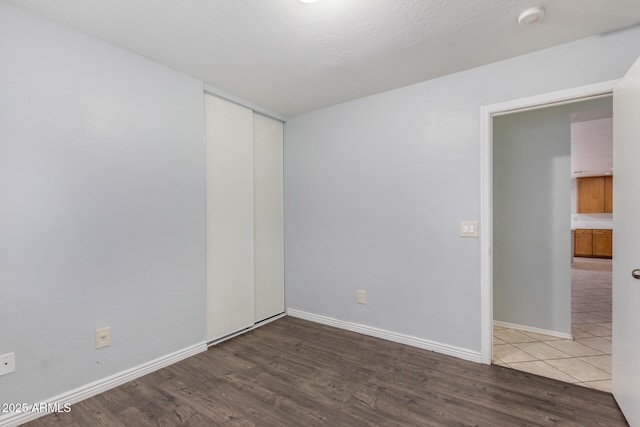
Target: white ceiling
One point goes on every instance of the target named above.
(292, 57)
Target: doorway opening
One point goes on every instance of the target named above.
(586, 276)
(540, 302)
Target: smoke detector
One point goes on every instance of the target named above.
(531, 16)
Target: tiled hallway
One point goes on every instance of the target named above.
(585, 360)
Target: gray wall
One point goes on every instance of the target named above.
(531, 218)
(101, 208)
(375, 190)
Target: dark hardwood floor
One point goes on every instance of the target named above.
(296, 373)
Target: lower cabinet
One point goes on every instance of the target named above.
(583, 242)
(593, 243)
(602, 243)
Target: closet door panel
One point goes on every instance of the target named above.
(268, 217)
(229, 204)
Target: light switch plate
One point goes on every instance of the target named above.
(468, 228)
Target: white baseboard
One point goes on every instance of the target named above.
(102, 385)
(533, 329)
(461, 353)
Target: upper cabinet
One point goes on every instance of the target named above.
(595, 194)
(608, 193)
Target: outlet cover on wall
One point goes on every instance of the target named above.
(103, 337)
(362, 297)
(7, 363)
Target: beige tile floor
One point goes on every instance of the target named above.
(585, 360)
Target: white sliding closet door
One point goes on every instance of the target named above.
(268, 228)
(229, 188)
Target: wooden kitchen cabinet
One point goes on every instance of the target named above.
(583, 242)
(595, 194)
(593, 243)
(602, 243)
(608, 193)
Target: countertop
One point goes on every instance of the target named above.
(594, 226)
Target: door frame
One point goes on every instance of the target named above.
(487, 113)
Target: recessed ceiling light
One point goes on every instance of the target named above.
(530, 16)
(307, 1)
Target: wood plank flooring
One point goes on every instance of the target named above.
(296, 373)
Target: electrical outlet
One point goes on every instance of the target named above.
(103, 337)
(7, 363)
(362, 297)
